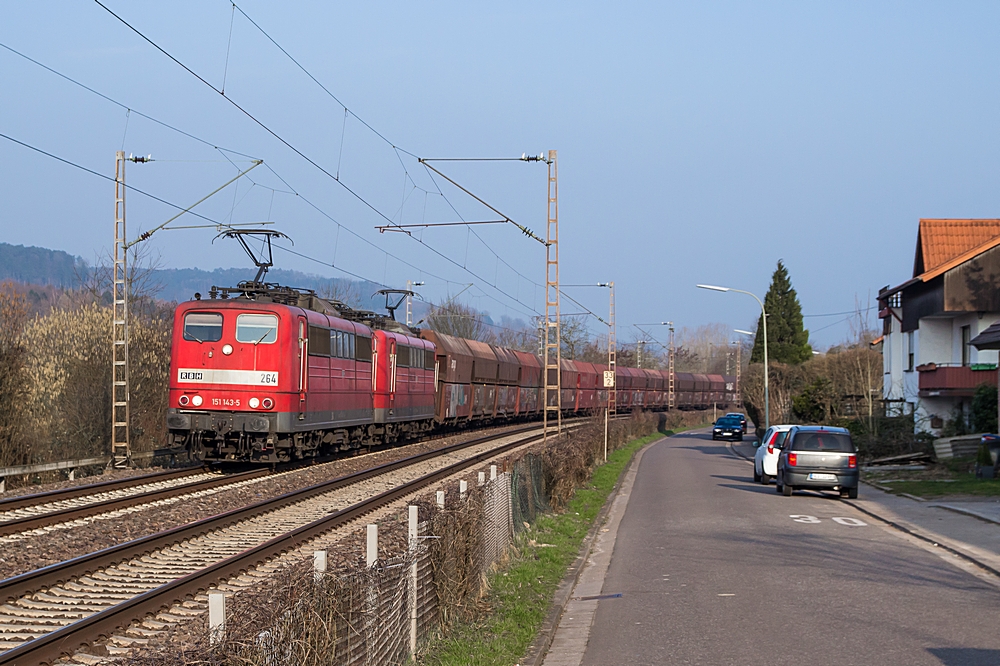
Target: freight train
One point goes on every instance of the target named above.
(265, 373)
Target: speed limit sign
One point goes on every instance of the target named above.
(609, 379)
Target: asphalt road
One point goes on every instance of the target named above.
(715, 569)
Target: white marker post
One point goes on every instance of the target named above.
(482, 478)
(372, 554)
(412, 538)
(440, 499)
(319, 565)
(493, 472)
(463, 487)
(216, 616)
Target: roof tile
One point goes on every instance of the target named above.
(940, 241)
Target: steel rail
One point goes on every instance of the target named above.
(66, 640)
(21, 501)
(74, 513)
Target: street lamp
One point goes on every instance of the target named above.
(763, 316)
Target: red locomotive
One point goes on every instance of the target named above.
(264, 373)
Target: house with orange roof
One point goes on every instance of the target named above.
(928, 322)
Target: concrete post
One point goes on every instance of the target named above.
(216, 616)
(72, 475)
(493, 472)
(482, 478)
(440, 499)
(319, 565)
(3, 484)
(372, 554)
(463, 487)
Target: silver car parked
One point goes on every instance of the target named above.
(818, 458)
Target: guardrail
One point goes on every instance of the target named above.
(73, 465)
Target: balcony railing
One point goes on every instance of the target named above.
(953, 380)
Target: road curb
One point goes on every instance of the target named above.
(539, 648)
(939, 543)
(967, 512)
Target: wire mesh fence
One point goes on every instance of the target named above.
(360, 615)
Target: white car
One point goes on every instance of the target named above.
(765, 460)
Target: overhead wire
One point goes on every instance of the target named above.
(289, 145)
(127, 108)
(845, 312)
(225, 152)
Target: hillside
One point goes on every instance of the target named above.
(58, 269)
(38, 265)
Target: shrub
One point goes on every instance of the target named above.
(983, 457)
(984, 409)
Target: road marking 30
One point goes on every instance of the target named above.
(840, 520)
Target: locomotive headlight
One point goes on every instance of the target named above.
(183, 400)
(196, 401)
(254, 403)
(227, 349)
(267, 403)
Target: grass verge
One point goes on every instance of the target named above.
(966, 484)
(519, 597)
(952, 476)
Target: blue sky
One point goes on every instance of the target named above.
(698, 142)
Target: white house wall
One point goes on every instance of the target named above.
(937, 340)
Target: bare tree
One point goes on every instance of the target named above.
(707, 349)
(96, 285)
(13, 316)
(459, 320)
(515, 334)
(573, 337)
(347, 292)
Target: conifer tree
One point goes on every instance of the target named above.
(787, 341)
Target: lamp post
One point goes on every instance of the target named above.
(763, 316)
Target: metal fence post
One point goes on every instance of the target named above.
(440, 499)
(216, 616)
(319, 565)
(372, 554)
(412, 534)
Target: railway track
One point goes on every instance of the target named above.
(28, 515)
(53, 611)
(31, 512)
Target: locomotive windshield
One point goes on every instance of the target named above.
(256, 328)
(203, 326)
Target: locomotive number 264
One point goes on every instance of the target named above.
(269, 378)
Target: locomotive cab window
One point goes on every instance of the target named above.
(319, 341)
(403, 356)
(363, 350)
(257, 328)
(203, 326)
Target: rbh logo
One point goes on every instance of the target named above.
(190, 376)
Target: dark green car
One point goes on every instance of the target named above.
(728, 427)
